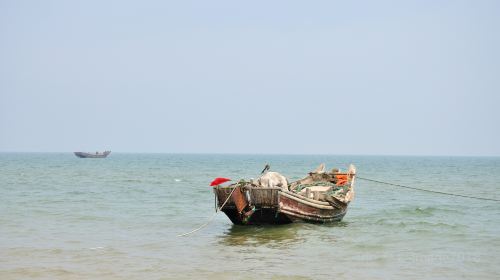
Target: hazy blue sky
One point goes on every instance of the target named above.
(336, 77)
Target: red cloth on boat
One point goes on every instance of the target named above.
(219, 181)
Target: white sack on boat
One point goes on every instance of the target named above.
(273, 179)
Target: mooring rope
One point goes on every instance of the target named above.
(425, 190)
(210, 219)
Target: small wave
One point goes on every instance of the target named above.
(76, 193)
(132, 181)
(390, 222)
(419, 224)
(435, 225)
(178, 180)
(425, 211)
(368, 246)
(420, 211)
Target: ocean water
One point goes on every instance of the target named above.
(62, 217)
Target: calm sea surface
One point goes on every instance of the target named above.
(62, 217)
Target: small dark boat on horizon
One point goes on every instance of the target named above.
(92, 155)
(320, 197)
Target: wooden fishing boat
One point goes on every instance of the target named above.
(320, 197)
(91, 155)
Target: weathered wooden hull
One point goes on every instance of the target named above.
(275, 206)
(307, 210)
(90, 155)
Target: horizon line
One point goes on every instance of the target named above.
(255, 154)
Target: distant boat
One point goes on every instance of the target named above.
(92, 155)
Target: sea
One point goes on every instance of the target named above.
(62, 217)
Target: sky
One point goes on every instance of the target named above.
(257, 77)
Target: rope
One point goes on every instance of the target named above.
(210, 219)
(425, 190)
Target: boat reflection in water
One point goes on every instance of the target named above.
(282, 236)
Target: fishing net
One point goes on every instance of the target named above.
(333, 190)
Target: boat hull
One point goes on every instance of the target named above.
(303, 210)
(266, 216)
(90, 155)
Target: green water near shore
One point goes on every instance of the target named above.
(69, 218)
